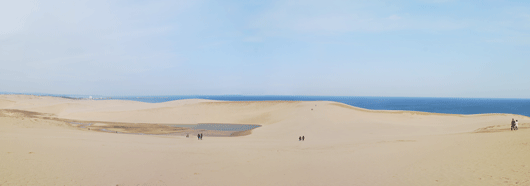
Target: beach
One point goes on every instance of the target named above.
(344, 145)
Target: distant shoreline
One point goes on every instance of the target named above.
(464, 106)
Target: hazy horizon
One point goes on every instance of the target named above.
(228, 95)
(422, 48)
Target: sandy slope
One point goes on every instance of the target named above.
(344, 146)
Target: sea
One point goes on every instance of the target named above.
(423, 104)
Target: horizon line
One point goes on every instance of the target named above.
(77, 96)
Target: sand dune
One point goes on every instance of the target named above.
(344, 145)
(6, 103)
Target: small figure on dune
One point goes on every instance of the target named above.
(201, 136)
(303, 138)
(187, 135)
(516, 124)
(512, 124)
(299, 138)
(198, 136)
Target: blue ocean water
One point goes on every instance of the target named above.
(436, 105)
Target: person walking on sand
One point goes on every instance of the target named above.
(198, 136)
(299, 138)
(201, 136)
(303, 138)
(513, 124)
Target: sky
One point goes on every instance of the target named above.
(414, 48)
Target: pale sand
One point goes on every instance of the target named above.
(344, 145)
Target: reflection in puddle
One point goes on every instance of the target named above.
(81, 125)
(219, 127)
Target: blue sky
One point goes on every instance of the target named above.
(422, 48)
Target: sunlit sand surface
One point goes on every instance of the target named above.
(47, 141)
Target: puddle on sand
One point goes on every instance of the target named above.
(81, 125)
(219, 127)
(216, 129)
(207, 129)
